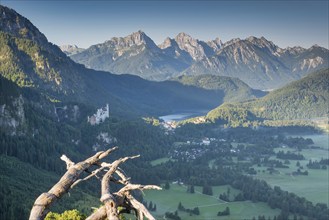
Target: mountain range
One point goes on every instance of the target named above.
(30, 61)
(257, 61)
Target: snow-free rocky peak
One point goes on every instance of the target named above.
(216, 44)
(135, 39)
(198, 50)
(255, 60)
(71, 49)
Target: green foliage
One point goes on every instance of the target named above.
(190, 189)
(67, 215)
(232, 89)
(8, 91)
(304, 99)
(225, 212)
(173, 216)
(232, 115)
(151, 120)
(207, 190)
(23, 57)
(167, 185)
(22, 182)
(292, 105)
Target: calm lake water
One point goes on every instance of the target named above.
(183, 115)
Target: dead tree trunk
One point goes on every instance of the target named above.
(111, 200)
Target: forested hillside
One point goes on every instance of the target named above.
(304, 99)
(234, 89)
(301, 100)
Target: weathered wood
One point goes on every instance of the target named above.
(99, 214)
(141, 209)
(111, 200)
(67, 160)
(107, 198)
(42, 203)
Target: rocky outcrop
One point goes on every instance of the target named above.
(12, 117)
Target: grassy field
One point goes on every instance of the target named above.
(168, 200)
(313, 187)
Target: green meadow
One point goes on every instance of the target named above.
(209, 206)
(314, 186)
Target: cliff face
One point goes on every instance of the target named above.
(12, 116)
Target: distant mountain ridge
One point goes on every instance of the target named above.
(134, 54)
(262, 64)
(71, 49)
(258, 62)
(29, 60)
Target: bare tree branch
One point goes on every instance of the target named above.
(131, 187)
(93, 173)
(68, 162)
(141, 209)
(107, 198)
(99, 214)
(111, 200)
(42, 203)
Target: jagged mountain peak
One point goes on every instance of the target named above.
(317, 47)
(218, 40)
(232, 41)
(261, 63)
(68, 46)
(69, 49)
(296, 48)
(197, 49)
(183, 34)
(183, 38)
(261, 41)
(139, 37)
(216, 44)
(168, 42)
(136, 38)
(250, 45)
(171, 49)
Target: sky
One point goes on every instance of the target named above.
(85, 23)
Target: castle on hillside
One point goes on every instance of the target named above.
(100, 115)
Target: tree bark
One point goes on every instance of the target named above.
(111, 200)
(42, 203)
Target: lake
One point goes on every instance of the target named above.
(183, 115)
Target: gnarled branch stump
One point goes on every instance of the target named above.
(111, 200)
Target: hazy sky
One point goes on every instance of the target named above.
(286, 23)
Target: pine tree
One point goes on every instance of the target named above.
(150, 205)
(167, 185)
(190, 189)
(180, 207)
